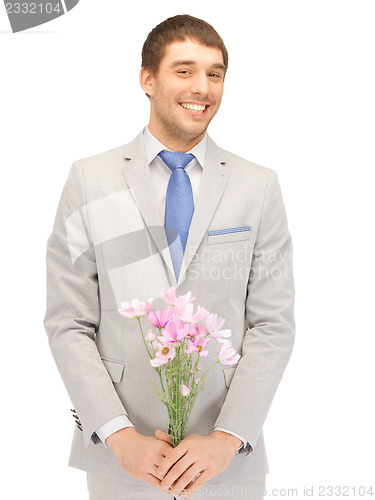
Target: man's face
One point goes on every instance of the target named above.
(185, 93)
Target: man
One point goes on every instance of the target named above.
(138, 219)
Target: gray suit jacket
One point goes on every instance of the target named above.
(108, 246)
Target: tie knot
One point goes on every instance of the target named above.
(175, 160)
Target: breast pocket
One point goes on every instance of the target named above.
(114, 367)
(229, 235)
(228, 374)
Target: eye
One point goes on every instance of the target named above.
(184, 72)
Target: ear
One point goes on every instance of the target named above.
(146, 80)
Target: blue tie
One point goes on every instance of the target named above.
(179, 206)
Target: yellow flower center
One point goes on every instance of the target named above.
(165, 350)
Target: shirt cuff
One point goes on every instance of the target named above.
(113, 425)
(244, 442)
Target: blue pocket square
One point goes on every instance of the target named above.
(229, 230)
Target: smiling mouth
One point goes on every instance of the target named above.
(197, 109)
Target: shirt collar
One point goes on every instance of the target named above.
(153, 147)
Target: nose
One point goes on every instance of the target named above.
(199, 84)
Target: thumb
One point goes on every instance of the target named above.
(163, 436)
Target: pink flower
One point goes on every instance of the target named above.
(176, 330)
(196, 330)
(185, 391)
(196, 345)
(135, 309)
(159, 319)
(199, 330)
(213, 322)
(185, 299)
(227, 355)
(171, 299)
(185, 311)
(165, 353)
(213, 325)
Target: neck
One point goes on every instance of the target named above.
(178, 144)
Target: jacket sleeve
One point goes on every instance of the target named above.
(73, 311)
(269, 316)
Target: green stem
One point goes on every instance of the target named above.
(143, 337)
(158, 369)
(209, 369)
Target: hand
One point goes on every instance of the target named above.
(139, 455)
(205, 456)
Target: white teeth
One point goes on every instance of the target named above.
(194, 107)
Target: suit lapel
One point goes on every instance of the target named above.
(136, 173)
(213, 181)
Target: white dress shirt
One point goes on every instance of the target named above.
(160, 174)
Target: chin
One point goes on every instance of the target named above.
(195, 132)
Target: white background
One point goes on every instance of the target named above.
(299, 98)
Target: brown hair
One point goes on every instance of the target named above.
(178, 28)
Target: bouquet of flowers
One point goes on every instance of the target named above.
(176, 351)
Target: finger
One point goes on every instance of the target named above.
(171, 458)
(187, 478)
(163, 436)
(150, 479)
(192, 487)
(178, 470)
(155, 471)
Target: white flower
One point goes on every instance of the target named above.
(150, 335)
(227, 355)
(164, 354)
(135, 309)
(213, 325)
(185, 391)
